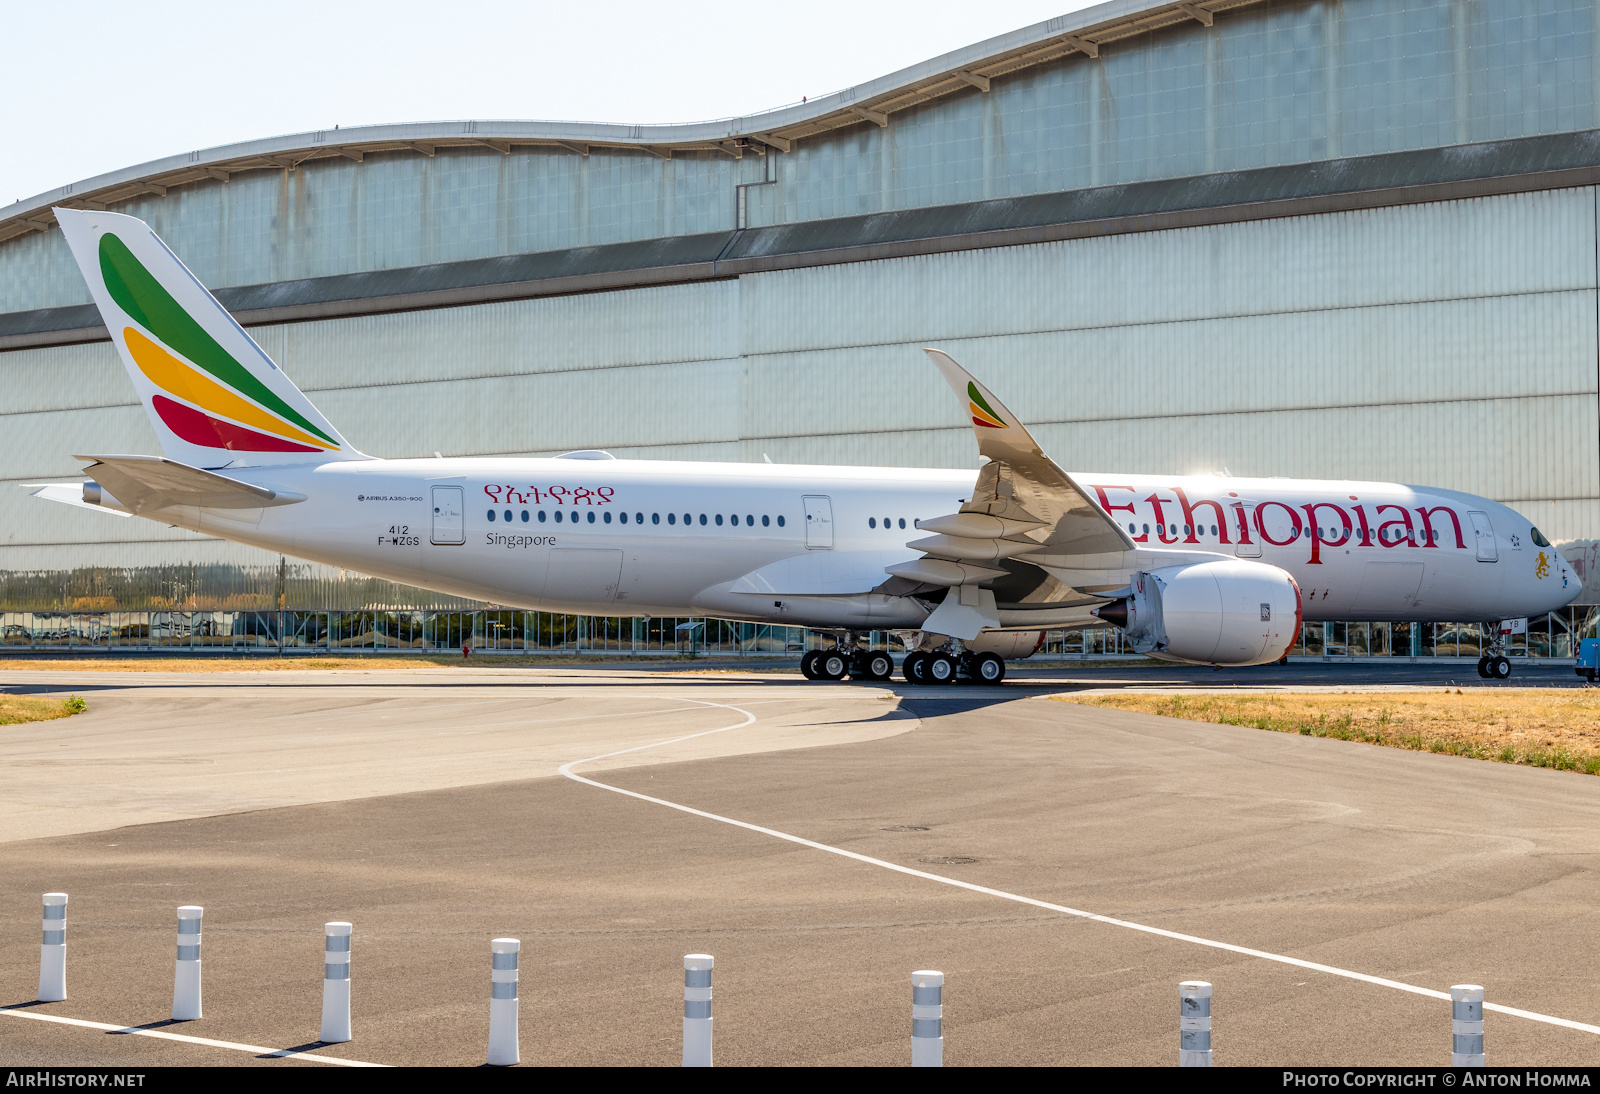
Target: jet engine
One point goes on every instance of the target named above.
(1210, 613)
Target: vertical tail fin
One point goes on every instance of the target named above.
(213, 395)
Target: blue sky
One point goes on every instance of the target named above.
(117, 84)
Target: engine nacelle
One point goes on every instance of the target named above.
(1211, 613)
(1010, 645)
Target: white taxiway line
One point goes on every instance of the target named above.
(1331, 970)
(254, 1050)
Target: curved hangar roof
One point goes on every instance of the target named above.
(871, 103)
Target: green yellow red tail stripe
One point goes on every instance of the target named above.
(982, 413)
(233, 393)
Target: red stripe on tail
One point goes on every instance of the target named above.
(208, 432)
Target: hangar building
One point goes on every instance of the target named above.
(1332, 238)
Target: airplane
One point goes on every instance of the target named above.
(968, 567)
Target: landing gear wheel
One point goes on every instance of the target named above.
(913, 667)
(876, 666)
(988, 669)
(940, 669)
(1483, 667)
(832, 665)
(808, 664)
(1500, 668)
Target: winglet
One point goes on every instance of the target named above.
(1000, 433)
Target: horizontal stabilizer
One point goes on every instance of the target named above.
(68, 493)
(143, 484)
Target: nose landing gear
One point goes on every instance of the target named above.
(1494, 665)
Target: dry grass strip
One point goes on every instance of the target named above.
(1531, 726)
(267, 662)
(14, 709)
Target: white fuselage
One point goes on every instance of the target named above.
(805, 546)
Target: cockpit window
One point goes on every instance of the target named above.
(1538, 537)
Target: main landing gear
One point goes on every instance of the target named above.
(839, 662)
(1494, 665)
(942, 668)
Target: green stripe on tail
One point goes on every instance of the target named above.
(147, 301)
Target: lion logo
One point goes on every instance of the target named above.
(1541, 569)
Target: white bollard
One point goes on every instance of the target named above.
(927, 1018)
(697, 1009)
(335, 983)
(186, 978)
(503, 1051)
(53, 950)
(1466, 1025)
(1194, 1024)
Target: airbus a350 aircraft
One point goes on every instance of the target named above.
(969, 566)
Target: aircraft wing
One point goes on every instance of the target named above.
(1020, 483)
(143, 484)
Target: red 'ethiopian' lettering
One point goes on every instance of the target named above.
(1261, 524)
(1432, 538)
(1316, 529)
(1189, 511)
(1105, 503)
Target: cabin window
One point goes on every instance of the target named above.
(719, 520)
(672, 518)
(542, 516)
(872, 522)
(765, 520)
(623, 517)
(508, 516)
(558, 516)
(1131, 528)
(1213, 529)
(638, 518)
(608, 516)
(749, 520)
(591, 516)
(491, 516)
(902, 522)
(1147, 529)
(780, 520)
(524, 516)
(703, 519)
(655, 518)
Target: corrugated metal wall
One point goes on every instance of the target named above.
(1452, 344)
(1289, 82)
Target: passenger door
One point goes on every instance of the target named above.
(819, 522)
(448, 507)
(1483, 534)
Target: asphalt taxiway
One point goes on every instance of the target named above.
(821, 840)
